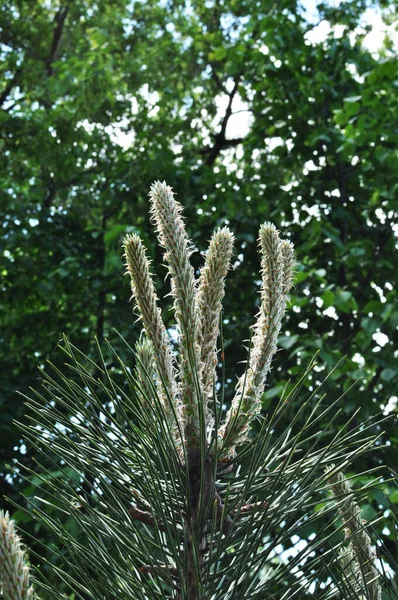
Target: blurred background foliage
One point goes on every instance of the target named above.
(252, 111)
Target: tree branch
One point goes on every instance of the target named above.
(143, 515)
(217, 79)
(220, 140)
(7, 91)
(59, 19)
(214, 151)
(151, 569)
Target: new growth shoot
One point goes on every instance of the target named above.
(186, 386)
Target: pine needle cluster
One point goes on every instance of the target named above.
(174, 496)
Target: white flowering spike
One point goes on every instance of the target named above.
(14, 573)
(166, 214)
(210, 294)
(276, 268)
(144, 293)
(360, 566)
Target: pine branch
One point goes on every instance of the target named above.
(206, 522)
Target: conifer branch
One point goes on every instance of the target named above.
(170, 515)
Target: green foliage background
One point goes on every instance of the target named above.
(98, 99)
